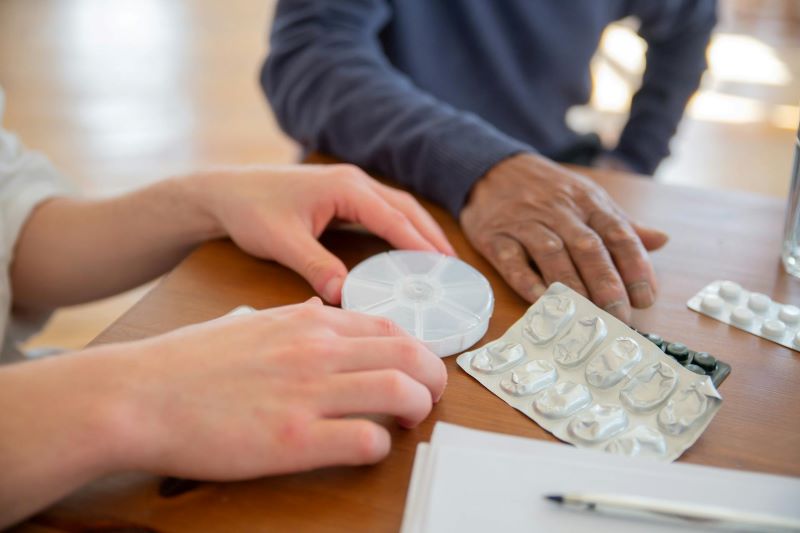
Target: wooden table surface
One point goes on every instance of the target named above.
(714, 235)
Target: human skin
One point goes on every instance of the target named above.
(528, 208)
(77, 250)
(234, 398)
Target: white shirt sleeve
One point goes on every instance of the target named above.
(26, 179)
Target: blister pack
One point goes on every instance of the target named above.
(702, 363)
(594, 382)
(752, 312)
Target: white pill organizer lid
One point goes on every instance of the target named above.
(441, 300)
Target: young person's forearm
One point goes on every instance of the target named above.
(71, 251)
(59, 428)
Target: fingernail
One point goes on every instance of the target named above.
(641, 294)
(619, 309)
(332, 289)
(439, 397)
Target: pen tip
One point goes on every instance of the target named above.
(555, 498)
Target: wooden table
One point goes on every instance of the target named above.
(715, 234)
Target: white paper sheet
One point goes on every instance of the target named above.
(479, 481)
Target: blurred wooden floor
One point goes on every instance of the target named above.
(123, 92)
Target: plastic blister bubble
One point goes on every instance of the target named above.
(546, 321)
(530, 378)
(598, 423)
(441, 300)
(685, 408)
(592, 381)
(642, 440)
(498, 357)
(574, 347)
(563, 399)
(754, 312)
(649, 387)
(613, 363)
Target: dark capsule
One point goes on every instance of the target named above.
(696, 369)
(655, 339)
(679, 351)
(705, 360)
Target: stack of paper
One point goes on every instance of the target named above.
(467, 480)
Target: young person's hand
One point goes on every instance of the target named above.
(279, 212)
(273, 392)
(240, 397)
(74, 250)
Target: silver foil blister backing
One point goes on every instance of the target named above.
(594, 382)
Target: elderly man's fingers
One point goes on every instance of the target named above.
(651, 238)
(629, 256)
(597, 269)
(551, 257)
(508, 256)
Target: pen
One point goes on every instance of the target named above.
(675, 512)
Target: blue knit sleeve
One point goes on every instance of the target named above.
(677, 34)
(334, 91)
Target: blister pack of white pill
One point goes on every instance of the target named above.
(753, 312)
(592, 381)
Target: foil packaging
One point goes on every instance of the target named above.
(592, 381)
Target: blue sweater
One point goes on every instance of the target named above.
(433, 93)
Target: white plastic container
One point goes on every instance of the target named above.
(441, 300)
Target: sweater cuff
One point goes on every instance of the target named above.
(454, 165)
(643, 154)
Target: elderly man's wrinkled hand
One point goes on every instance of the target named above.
(528, 211)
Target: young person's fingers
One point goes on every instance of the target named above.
(299, 250)
(355, 324)
(418, 215)
(390, 353)
(390, 392)
(342, 442)
(363, 205)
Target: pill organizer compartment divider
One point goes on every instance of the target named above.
(441, 300)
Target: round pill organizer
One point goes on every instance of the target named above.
(441, 300)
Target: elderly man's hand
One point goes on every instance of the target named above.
(528, 209)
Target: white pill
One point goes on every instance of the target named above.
(730, 290)
(712, 303)
(759, 302)
(742, 316)
(773, 328)
(789, 314)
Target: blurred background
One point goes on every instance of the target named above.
(120, 93)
